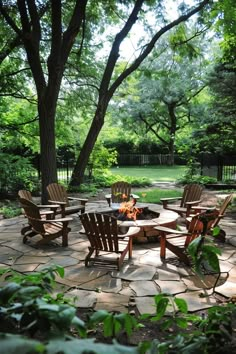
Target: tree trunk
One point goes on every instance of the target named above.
(173, 128)
(82, 161)
(48, 162)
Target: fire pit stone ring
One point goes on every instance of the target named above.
(153, 215)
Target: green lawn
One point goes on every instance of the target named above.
(154, 173)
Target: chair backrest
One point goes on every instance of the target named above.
(120, 192)
(223, 208)
(201, 224)
(25, 194)
(33, 214)
(101, 230)
(191, 193)
(57, 192)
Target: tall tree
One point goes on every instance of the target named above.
(47, 32)
(32, 31)
(110, 82)
(159, 102)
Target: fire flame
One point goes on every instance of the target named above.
(129, 210)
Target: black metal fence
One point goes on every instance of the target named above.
(222, 167)
(144, 159)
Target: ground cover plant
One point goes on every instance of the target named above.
(36, 320)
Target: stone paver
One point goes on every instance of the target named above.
(144, 288)
(171, 287)
(135, 285)
(195, 300)
(112, 302)
(82, 298)
(132, 272)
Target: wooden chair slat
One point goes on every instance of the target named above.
(191, 193)
(48, 229)
(102, 233)
(178, 243)
(58, 193)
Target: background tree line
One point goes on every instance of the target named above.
(66, 78)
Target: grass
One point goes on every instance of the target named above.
(154, 173)
(154, 195)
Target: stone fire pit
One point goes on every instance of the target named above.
(154, 215)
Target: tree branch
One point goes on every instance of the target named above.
(151, 45)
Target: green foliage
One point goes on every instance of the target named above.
(16, 173)
(29, 309)
(34, 321)
(208, 334)
(217, 326)
(191, 174)
(9, 209)
(113, 323)
(101, 159)
(204, 255)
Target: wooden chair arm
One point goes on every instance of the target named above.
(189, 206)
(57, 202)
(82, 200)
(165, 201)
(170, 199)
(61, 220)
(194, 202)
(52, 221)
(48, 206)
(168, 230)
(199, 208)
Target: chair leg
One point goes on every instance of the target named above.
(87, 258)
(163, 247)
(25, 229)
(31, 234)
(179, 253)
(65, 232)
(130, 247)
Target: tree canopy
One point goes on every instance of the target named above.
(66, 60)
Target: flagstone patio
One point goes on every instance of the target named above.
(134, 286)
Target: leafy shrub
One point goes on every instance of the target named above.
(197, 179)
(16, 173)
(9, 211)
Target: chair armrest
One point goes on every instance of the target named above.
(83, 200)
(52, 221)
(189, 206)
(199, 208)
(57, 202)
(169, 230)
(48, 206)
(165, 201)
(61, 220)
(170, 199)
(194, 202)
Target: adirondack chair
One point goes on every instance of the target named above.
(120, 192)
(102, 233)
(48, 214)
(58, 195)
(222, 211)
(49, 229)
(178, 241)
(191, 196)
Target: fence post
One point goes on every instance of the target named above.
(220, 169)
